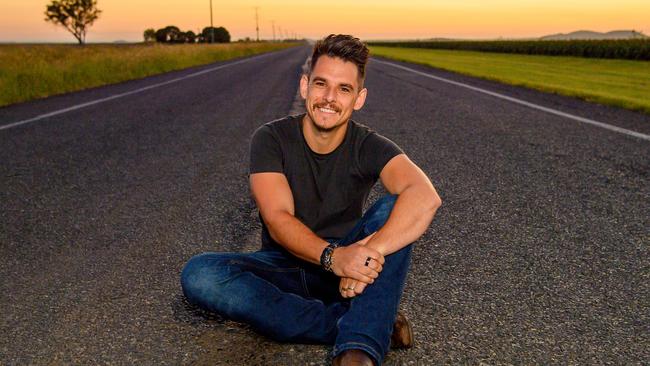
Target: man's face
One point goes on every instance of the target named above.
(332, 92)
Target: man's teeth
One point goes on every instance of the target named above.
(326, 110)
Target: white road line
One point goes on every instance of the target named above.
(115, 96)
(523, 102)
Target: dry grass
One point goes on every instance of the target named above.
(34, 71)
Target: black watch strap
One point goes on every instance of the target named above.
(326, 257)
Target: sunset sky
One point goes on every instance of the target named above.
(23, 20)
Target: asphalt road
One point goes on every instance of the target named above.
(539, 255)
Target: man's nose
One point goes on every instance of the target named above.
(330, 94)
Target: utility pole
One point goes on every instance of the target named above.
(257, 26)
(273, 26)
(211, 24)
(280, 32)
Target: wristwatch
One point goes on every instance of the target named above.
(326, 257)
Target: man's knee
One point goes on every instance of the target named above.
(402, 256)
(397, 264)
(201, 275)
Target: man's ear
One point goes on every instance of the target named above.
(304, 84)
(361, 99)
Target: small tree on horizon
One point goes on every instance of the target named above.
(190, 37)
(221, 35)
(149, 35)
(76, 16)
(169, 34)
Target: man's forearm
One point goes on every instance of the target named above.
(347, 261)
(412, 213)
(295, 237)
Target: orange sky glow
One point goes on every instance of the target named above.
(23, 20)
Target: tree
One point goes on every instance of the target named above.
(169, 34)
(172, 34)
(190, 37)
(149, 35)
(221, 35)
(76, 16)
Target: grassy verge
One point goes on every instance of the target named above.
(621, 83)
(35, 71)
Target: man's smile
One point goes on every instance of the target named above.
(327, 110)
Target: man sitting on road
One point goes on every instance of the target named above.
(325, 273)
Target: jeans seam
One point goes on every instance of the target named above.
(304, 282)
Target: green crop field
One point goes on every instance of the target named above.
(629, 49)
(34, 71)
(621, 83)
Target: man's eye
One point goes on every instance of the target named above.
(346, 90)
(319, 83)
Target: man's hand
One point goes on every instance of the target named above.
(351, 288)
(357, 262)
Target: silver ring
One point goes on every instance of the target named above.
(368, 261)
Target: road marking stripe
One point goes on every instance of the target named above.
(523, 102)
(115, 96)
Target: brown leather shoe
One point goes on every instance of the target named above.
(402, 336)
(352, 357)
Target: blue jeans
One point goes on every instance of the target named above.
(290, 300)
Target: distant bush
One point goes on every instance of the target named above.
(172, 34)
(631, 49)
(220, 34)
(149, 35)
(190, 37)
(169, 34)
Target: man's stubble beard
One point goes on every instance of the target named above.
(322, 129)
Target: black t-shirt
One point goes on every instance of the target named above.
(329, 190)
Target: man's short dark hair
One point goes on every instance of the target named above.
(345, 47)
